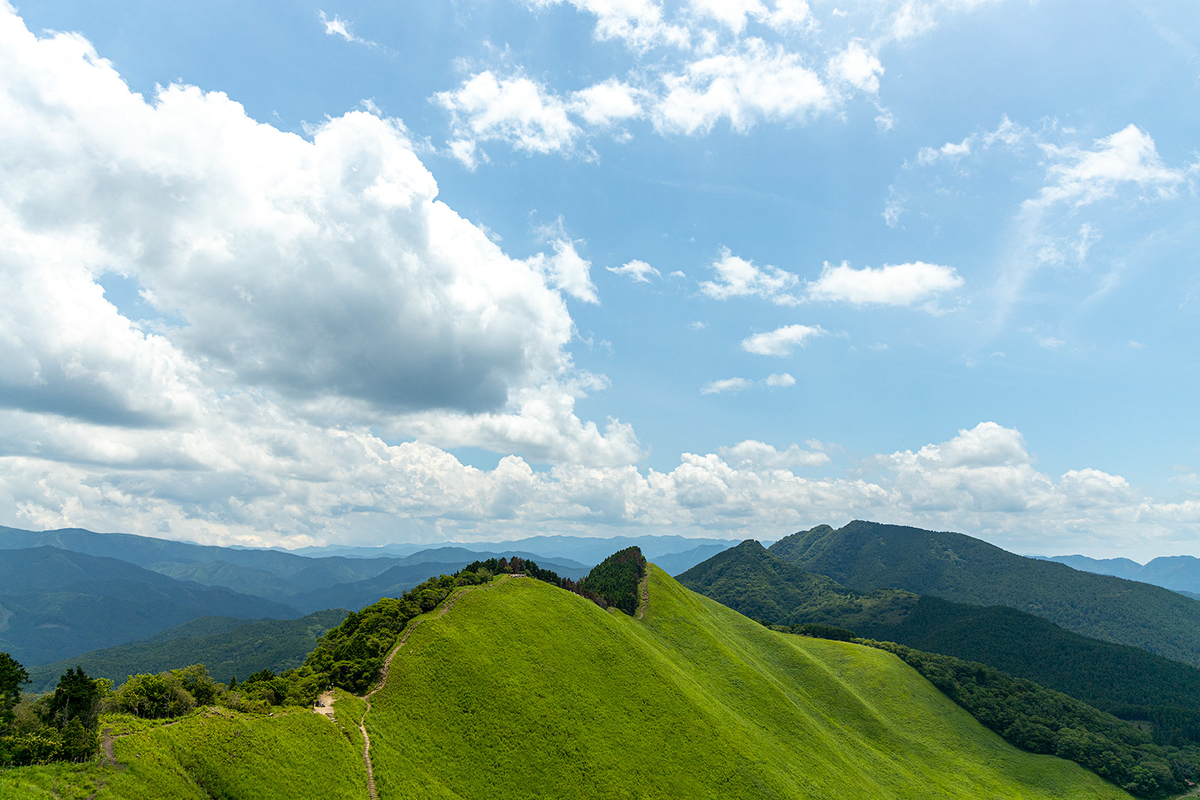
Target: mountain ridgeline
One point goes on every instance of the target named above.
(865, 556)
(1126, 681)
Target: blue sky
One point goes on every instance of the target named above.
(357, 273)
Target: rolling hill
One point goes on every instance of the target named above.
(865, 556)
(692, 701)
(55, 603)
(1116, 678)
(517, 689)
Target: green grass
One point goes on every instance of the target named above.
(211, 754)
(523, 690)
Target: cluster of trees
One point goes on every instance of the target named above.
(615, 580)
(1044, 721)
(58, 726)
(351, 655)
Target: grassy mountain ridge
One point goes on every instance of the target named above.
(866, 556)
(525, 691)
(1115, 678)
(515, 688)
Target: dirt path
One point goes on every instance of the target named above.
(445, 606)
(643, 594)
(324, 706)
(106, 744)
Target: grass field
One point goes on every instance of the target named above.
(211, 754)
(527, 691)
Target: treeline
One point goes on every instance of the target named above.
(1044, 721)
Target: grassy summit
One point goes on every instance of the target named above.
(523, 690)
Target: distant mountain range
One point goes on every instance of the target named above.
(865, 556)
(70, 591)
(1177, 573)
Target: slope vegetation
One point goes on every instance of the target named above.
(524, 690)
(1127, 681)
(212, 754)
(866, 556)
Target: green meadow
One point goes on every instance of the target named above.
(523, 690)
(211, 754)
(526, 691)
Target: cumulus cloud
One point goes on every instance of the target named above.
(321, 274)
(737, 277)
(751, 453)
(856, 66)
(750, 83)
(781, 341)
(891, 284)
(606, 103)
(515, 110)
(638, 271)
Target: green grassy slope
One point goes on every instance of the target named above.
(1111, 677)
(523, 690)
(245, 649)
(867, 555)
(211, 755)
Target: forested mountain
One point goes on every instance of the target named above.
(56, 603)
(866, 556)
(225, 645)
(1124, 680)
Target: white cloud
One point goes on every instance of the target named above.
(1128, 156)
(606, 103)
(726, 385)
(1050, 342)
(780, 380)
(730, 13)
(857, 66)
(737, 277)
(751, 453)
(638, 23)
(749, 83)
(781, 341)
(515, 110)
(567, 270)
(340, 27)
(638, 271)
(891, 284)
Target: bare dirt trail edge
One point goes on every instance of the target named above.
(643, 594)
(447, 604)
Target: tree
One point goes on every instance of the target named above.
(12, 676)
(76, 697)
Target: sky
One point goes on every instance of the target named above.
(355, 273)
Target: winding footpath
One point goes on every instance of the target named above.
(446, 605)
